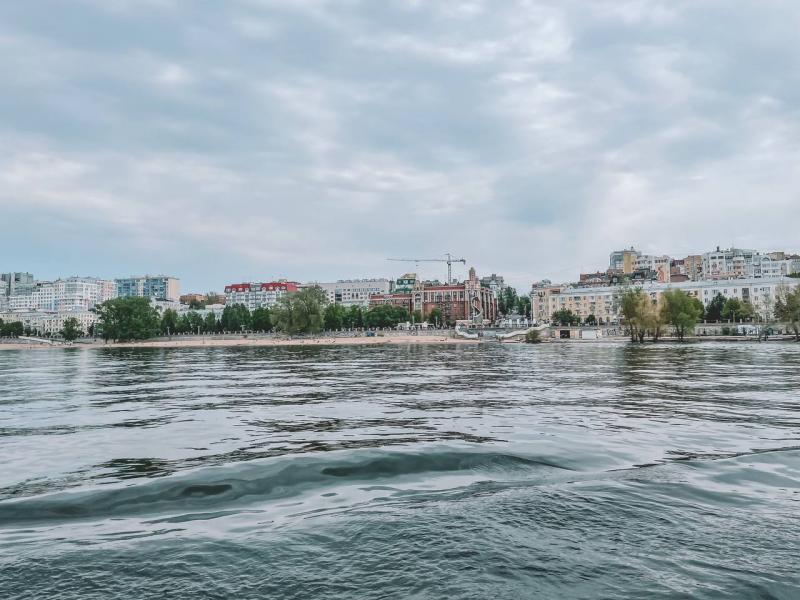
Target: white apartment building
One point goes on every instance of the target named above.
(51, 322)
(353, 292)
(72, 293)
(603, 302)
(651, 262)
(258, 295)
(215, 309)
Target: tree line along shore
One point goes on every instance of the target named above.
(308, 312)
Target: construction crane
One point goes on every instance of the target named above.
(449, 260)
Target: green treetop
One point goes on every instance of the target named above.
(680, 310)
(261, 319)
(71, 330)
(300, 312)
(787, 308)
(235, 317)
(124, 319)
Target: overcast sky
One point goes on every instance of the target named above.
(311, 139)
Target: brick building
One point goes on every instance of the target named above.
(457, 302)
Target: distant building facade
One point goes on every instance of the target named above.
(354, 292)
(160, 287)
(72, 293)
(604, 302)
(189, 298)
(494, 282)
(258, 295)
(16, 284)
(458, 301)
(52, 322)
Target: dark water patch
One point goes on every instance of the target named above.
(279, 479)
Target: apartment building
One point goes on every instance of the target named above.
(51, 322)
(160, 287)
(16, 284)
(258, 295)
(72, 293)
(354, 292)
(604, 302)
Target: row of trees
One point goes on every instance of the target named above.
(11, 329)
(508, 301)
(718, 310)
(787, 309)
(682, 311)
(644, 317)
(306, 311)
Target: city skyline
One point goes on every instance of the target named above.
(431, 273)
(257, 139)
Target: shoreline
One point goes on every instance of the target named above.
(386, 340)
(389, 340)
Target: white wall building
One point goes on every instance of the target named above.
(51, 322)
(72, 293)
(354, 292)
(603, 302)
(258, 295)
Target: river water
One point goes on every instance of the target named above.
(496, 471)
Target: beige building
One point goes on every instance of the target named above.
(603, 302)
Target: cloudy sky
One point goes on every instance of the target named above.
(312, 139)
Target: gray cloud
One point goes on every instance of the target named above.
(313, 139)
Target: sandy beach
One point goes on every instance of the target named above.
(199, 342)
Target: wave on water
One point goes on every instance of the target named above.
(238, 485)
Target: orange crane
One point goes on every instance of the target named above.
(449, 260)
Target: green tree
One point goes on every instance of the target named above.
(11, 329)
(524, 306)
(353, 318)
(386, 315)
(591, 320)
(210, 323)
(235, 317)
(195, 321)
(333, 317)
(71, 330)
(261, 319)
(196, 304)
(735, 310)
(680, 310)
(124, 319)
(714, 309)
(636, 311)
(501, 303)
(300, 312)
(701, 310)
(509, 300)
(787, 309)
(169, 321)
(435, 317)
(565, 317)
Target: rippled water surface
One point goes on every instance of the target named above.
(493, 471)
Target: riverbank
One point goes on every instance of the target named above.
(210, 342)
